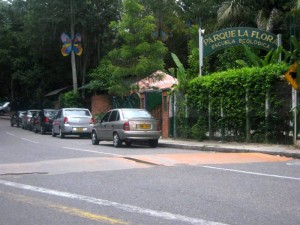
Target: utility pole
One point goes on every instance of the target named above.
(73, 62)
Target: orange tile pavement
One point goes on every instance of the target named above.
(209, 158)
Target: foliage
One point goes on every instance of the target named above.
(226, 91)
(70, 100)
(180, 74)
(269, 14)
(101, 77)
(273, 56)
(295, 54)
(138, 56)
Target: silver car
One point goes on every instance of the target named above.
(72, 121)
(127, 125)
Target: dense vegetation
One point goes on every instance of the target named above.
(127, 40)
(231, 105)
(122, 40)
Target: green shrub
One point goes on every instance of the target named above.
(70, 99)
(226, 92)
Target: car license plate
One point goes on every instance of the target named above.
(78, 129)
(145, 126)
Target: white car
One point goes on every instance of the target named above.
(72, 121)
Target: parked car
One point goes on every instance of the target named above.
(42, 121)
(127, 125)
(26, 124)
(4, 108)
(70, 121)
(16, 118)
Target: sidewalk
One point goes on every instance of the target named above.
(281, 150)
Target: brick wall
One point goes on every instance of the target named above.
(100, 104)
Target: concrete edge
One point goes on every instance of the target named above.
(232, 150)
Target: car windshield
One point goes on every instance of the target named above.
(128, 114)
(77, 113)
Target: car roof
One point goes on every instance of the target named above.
(74, 109)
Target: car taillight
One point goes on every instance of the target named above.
(92, 121)
(46, 120)
(126, 126)
(66, 120)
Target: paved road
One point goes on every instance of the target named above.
(46, 180)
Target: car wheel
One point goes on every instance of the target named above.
(11, 124)
(153, 143)
(116, 140)
(42, 130)
(53, 133)
(95, 140)
(61, 134)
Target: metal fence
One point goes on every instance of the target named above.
(267, 119)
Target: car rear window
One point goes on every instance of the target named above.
(77, 113)
(128, 114)
(50, 113)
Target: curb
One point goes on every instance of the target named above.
(205, 148)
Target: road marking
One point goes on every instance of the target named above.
(293, 164)
(62, 208)
(35, 142)
(252, 173)
(116, 205)
(102, 153)
(11, 134)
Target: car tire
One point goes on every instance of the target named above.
(116, 140)
(95, 139)
(61, 134)
(53, 133)
(153, 143)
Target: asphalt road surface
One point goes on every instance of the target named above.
(51, 181)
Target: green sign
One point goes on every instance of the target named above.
(238, 36)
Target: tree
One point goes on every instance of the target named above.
(269, 14)
(138, 55)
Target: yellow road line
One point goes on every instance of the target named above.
(62, 208)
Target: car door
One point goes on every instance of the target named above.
(102, 128)
(112, 123)
(56, 122)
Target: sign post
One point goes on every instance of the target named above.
(201, 32)
(291, 76)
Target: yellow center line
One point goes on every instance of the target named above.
(62, 208)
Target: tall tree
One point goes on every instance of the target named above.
(269, 15)
(139, 55)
